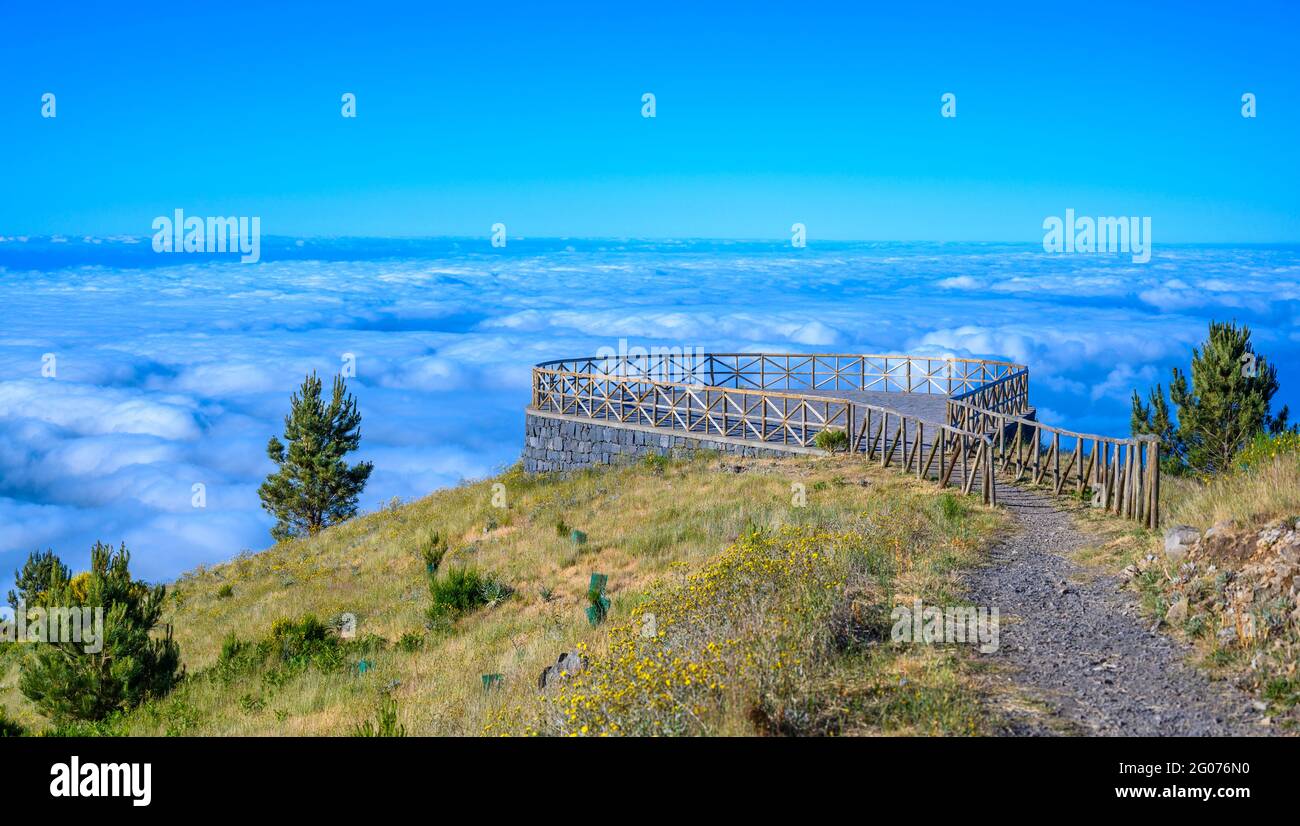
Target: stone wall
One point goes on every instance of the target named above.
(553, 442)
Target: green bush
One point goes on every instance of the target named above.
(460, 591)
(138, 659)
(226, 591)
(832, 441)
(236, 658)
(385, 726)
(1263, 449)
(432, 553)
(292, 646)
(303, 642)
(656, 463)
(410, 642)
(9, 728)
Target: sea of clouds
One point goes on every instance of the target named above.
(174, 370)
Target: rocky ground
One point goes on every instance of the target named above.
(1077, 656)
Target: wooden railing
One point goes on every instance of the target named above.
(773, 418)
(1122, 475)
(821, 371)
(1007, 394)
(987, 429)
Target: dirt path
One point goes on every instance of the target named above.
(1077, 656)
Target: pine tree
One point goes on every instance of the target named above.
(1224, 405)
(314, 487)
(68, 682)
(36, 576)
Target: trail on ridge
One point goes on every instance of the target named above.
(1075, 645)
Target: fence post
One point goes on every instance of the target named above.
(1153, 487)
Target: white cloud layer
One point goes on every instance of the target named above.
(172, 376)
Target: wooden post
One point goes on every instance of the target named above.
(920, 447)
(1153, 489)
(1056, 461)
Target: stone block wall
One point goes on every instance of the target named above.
(557, 443)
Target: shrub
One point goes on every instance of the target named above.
(755, 622)
(1263, 449)
(410, 642)
(432, 553)
(656, 463)
(236, 658)
(495, 591)
(832, 441)
(9, 728)
(302, 642)
(292, 646)
(385, 726)
(225, 591)
(460, 591)
(134, 663)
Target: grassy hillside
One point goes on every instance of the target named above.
(875, 535)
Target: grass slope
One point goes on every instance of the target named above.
(648, 527)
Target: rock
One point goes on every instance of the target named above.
(1270, 535)
(1179, 540)
(1227, 636)
(1220, 528)
(566, 665)
(1177, 613)
(1129, 572)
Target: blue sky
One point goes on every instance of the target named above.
(768, 114)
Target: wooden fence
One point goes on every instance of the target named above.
(1120, 475)
(755, 397)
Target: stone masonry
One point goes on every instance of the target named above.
(557, 443)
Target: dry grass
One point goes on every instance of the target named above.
(1252, 497)
(642, 522)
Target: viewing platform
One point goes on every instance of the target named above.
(963, 422)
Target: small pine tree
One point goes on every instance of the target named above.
(314, 487)
(36, 576)
(66, 682)
(1225, 404)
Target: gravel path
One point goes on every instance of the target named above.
(1077, 655)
